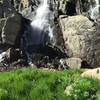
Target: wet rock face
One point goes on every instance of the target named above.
(9, 22)
(72, 7)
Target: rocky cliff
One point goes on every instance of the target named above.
(76, 32)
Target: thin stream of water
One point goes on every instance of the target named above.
(95, 11)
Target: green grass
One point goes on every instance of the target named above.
(36, 84)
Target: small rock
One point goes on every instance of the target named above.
(74, 63)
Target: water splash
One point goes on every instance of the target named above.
(41, 24)
(95, 11)
(2, 55)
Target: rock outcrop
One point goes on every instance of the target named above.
(81, 39)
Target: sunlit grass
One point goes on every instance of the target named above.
(37, 84)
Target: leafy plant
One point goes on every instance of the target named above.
(83, 89)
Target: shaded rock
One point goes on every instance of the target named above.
(70, 7)
(11, 29)
(6, 9)
(94, 73)
(13, 57)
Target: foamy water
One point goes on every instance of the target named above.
(41, 22)
(95, 10)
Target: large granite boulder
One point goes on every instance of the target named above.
(82, 39)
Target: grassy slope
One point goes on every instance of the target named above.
(34, 84)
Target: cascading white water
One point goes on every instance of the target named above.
(97, 2)
(42, 29)
(95, 10)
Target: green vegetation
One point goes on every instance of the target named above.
(37, 84)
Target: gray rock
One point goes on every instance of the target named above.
(11, 29)
(6, 9)
(73, 63)
(82, 39)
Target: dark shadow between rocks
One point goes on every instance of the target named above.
(47, 50)
(70, 8)
(85, 64)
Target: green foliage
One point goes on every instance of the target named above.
(35, 84)
(84, 89)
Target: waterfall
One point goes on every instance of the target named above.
(95, 10)
(40, 31)
(41, 24)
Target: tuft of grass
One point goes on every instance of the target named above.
(37, 84)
